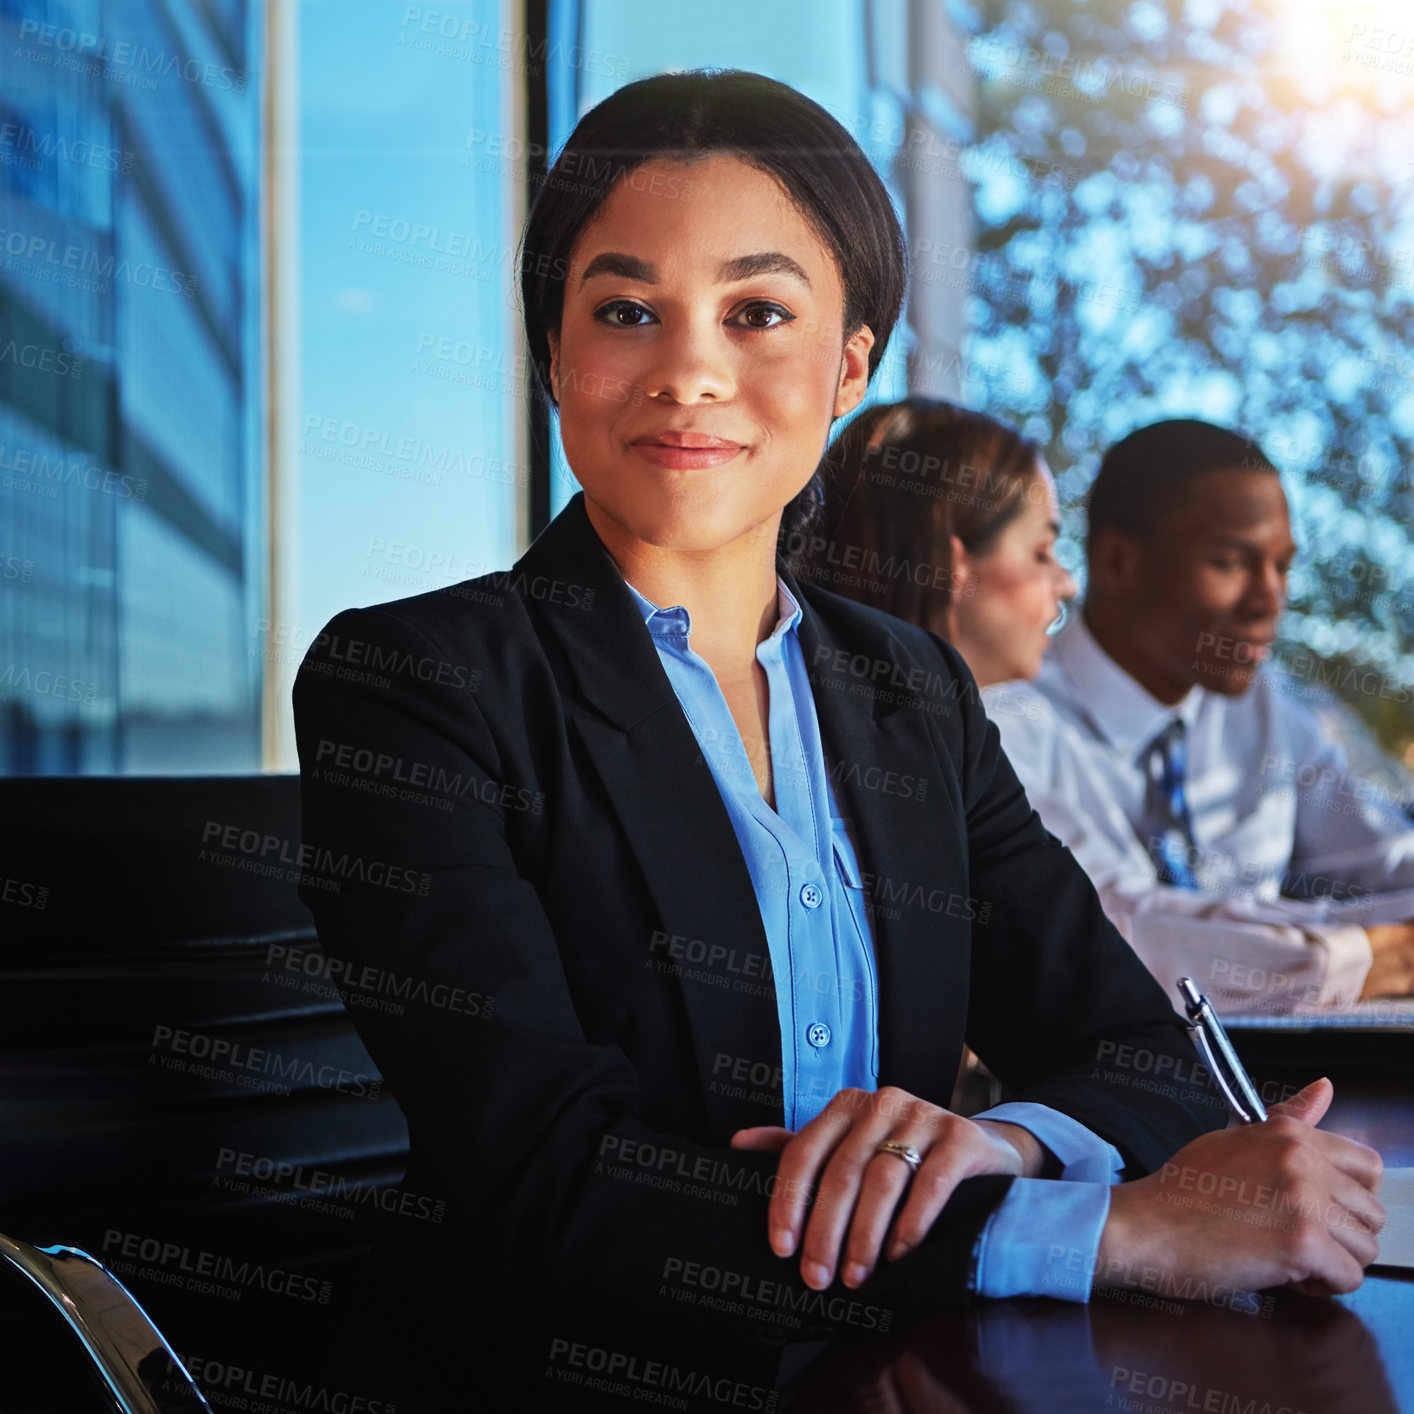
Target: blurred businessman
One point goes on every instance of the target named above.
(1225, 833)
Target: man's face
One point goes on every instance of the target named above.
(1208, 586)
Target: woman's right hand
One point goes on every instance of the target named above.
(1279, 1203)
(859, 1193)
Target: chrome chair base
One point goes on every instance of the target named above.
(140, 1370)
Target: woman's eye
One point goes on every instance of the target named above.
(622, 314)
(756, 315)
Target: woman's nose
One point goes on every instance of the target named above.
(690, 363)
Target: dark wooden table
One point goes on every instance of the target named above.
(1346, 1356)
(1349, 1355)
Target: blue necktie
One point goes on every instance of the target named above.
(1169, 825)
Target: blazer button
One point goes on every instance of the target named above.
(812, 896)
(818, 1035)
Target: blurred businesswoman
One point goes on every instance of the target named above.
(695, 877)
(946, 518)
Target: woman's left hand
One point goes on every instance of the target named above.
(837, 1154)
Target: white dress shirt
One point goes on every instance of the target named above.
(1293, 853)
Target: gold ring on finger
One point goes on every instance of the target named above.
(906, 1152)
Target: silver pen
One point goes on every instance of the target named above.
(1211, 1040)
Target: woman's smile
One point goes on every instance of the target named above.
(686, 451)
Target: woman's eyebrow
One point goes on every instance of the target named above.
(626, 267)
(742, 267)
(766, 262)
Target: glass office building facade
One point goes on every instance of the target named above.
(132, 555)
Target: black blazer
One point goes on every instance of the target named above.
(501, 782)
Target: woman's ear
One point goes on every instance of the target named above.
(964, 573)
(854, 371)
(554, 341)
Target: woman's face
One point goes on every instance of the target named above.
(701, 356)
(1009, 597)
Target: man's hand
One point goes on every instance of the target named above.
(1273, 1204)
(1392, 970)
(857, 1188)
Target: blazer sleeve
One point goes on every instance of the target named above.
(520, 1114)
(1060, 1008)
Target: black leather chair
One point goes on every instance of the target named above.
(184, 1095)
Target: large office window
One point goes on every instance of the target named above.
(130, 537)
(412, 467)
(258, 353)
(1205, 210)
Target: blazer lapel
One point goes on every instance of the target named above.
(665, 797)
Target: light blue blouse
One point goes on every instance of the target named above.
(1043, 1239)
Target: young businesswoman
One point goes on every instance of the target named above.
(695, 877)
(946, 518)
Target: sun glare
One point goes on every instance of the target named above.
(1362, 46)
